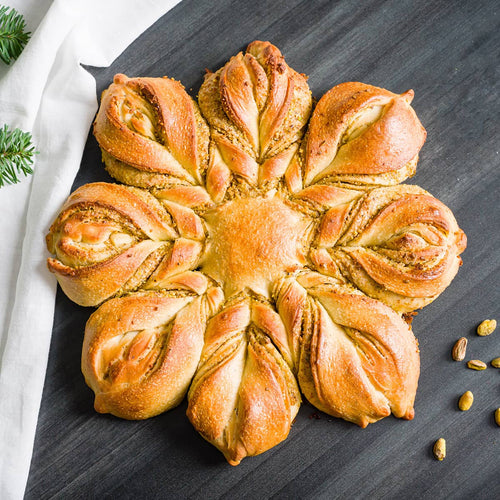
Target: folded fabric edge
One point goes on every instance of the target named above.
(24, 360)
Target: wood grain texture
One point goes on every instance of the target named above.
(448, 52)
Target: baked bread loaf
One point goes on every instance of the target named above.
(364, 135)
(260, 251)
(141, 352)
(151, 133)
(111, 239)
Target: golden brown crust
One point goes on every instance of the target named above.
(308, 241)
(244, 397)
(91, 285)
(189, 196)
(356, 358)
(151, 132)
(257, 107)
(108, 240)
(252, 242)
(397, 244)
(141, 351)
(363, 135)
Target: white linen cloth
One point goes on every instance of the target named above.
(47, 92)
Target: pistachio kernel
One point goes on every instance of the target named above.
(458, 351)
(439, 449)
(495, 363)
(465, 401)
(476, 364)
(487, 327)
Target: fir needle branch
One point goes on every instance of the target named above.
(16, 155)
(12, 35)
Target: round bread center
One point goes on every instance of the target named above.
(253, 241)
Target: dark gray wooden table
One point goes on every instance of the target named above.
(448, 52)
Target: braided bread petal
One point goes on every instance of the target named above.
(151, 132)
(258, 107)
(397, 244)
(109, 239)
(359, 134)
(354, 357)
(141, 351)
(244, 397)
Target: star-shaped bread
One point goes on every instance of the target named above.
(258, 250)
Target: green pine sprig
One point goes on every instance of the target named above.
(12, 35)
(16, 155)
